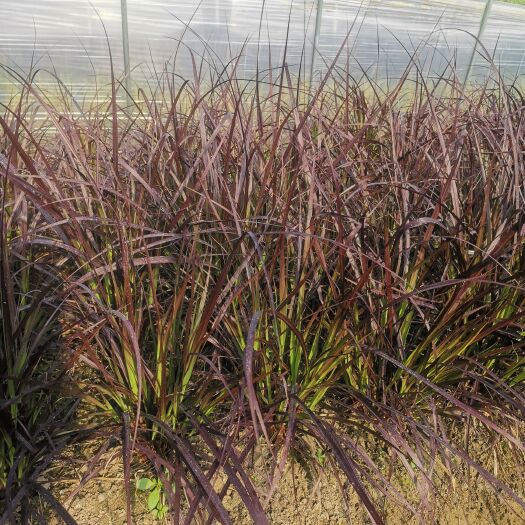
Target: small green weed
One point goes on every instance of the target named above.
(320, 456)
(157, 504)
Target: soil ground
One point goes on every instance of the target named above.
(301, 498)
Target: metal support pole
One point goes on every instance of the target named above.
(483, 23)
(125, 48)
(315, 43)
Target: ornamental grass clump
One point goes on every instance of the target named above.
(223, 266)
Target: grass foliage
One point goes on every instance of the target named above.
(225, 263)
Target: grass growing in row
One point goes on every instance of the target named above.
(222, 265)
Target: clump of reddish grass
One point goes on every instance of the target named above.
(241, 264)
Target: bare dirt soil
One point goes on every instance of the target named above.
(301, 498)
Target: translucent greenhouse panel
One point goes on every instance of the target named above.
(384, 35)
(67, 36)
(217, 31)
(63, 36)
(503, 39)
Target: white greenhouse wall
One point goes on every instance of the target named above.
(68, 37)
